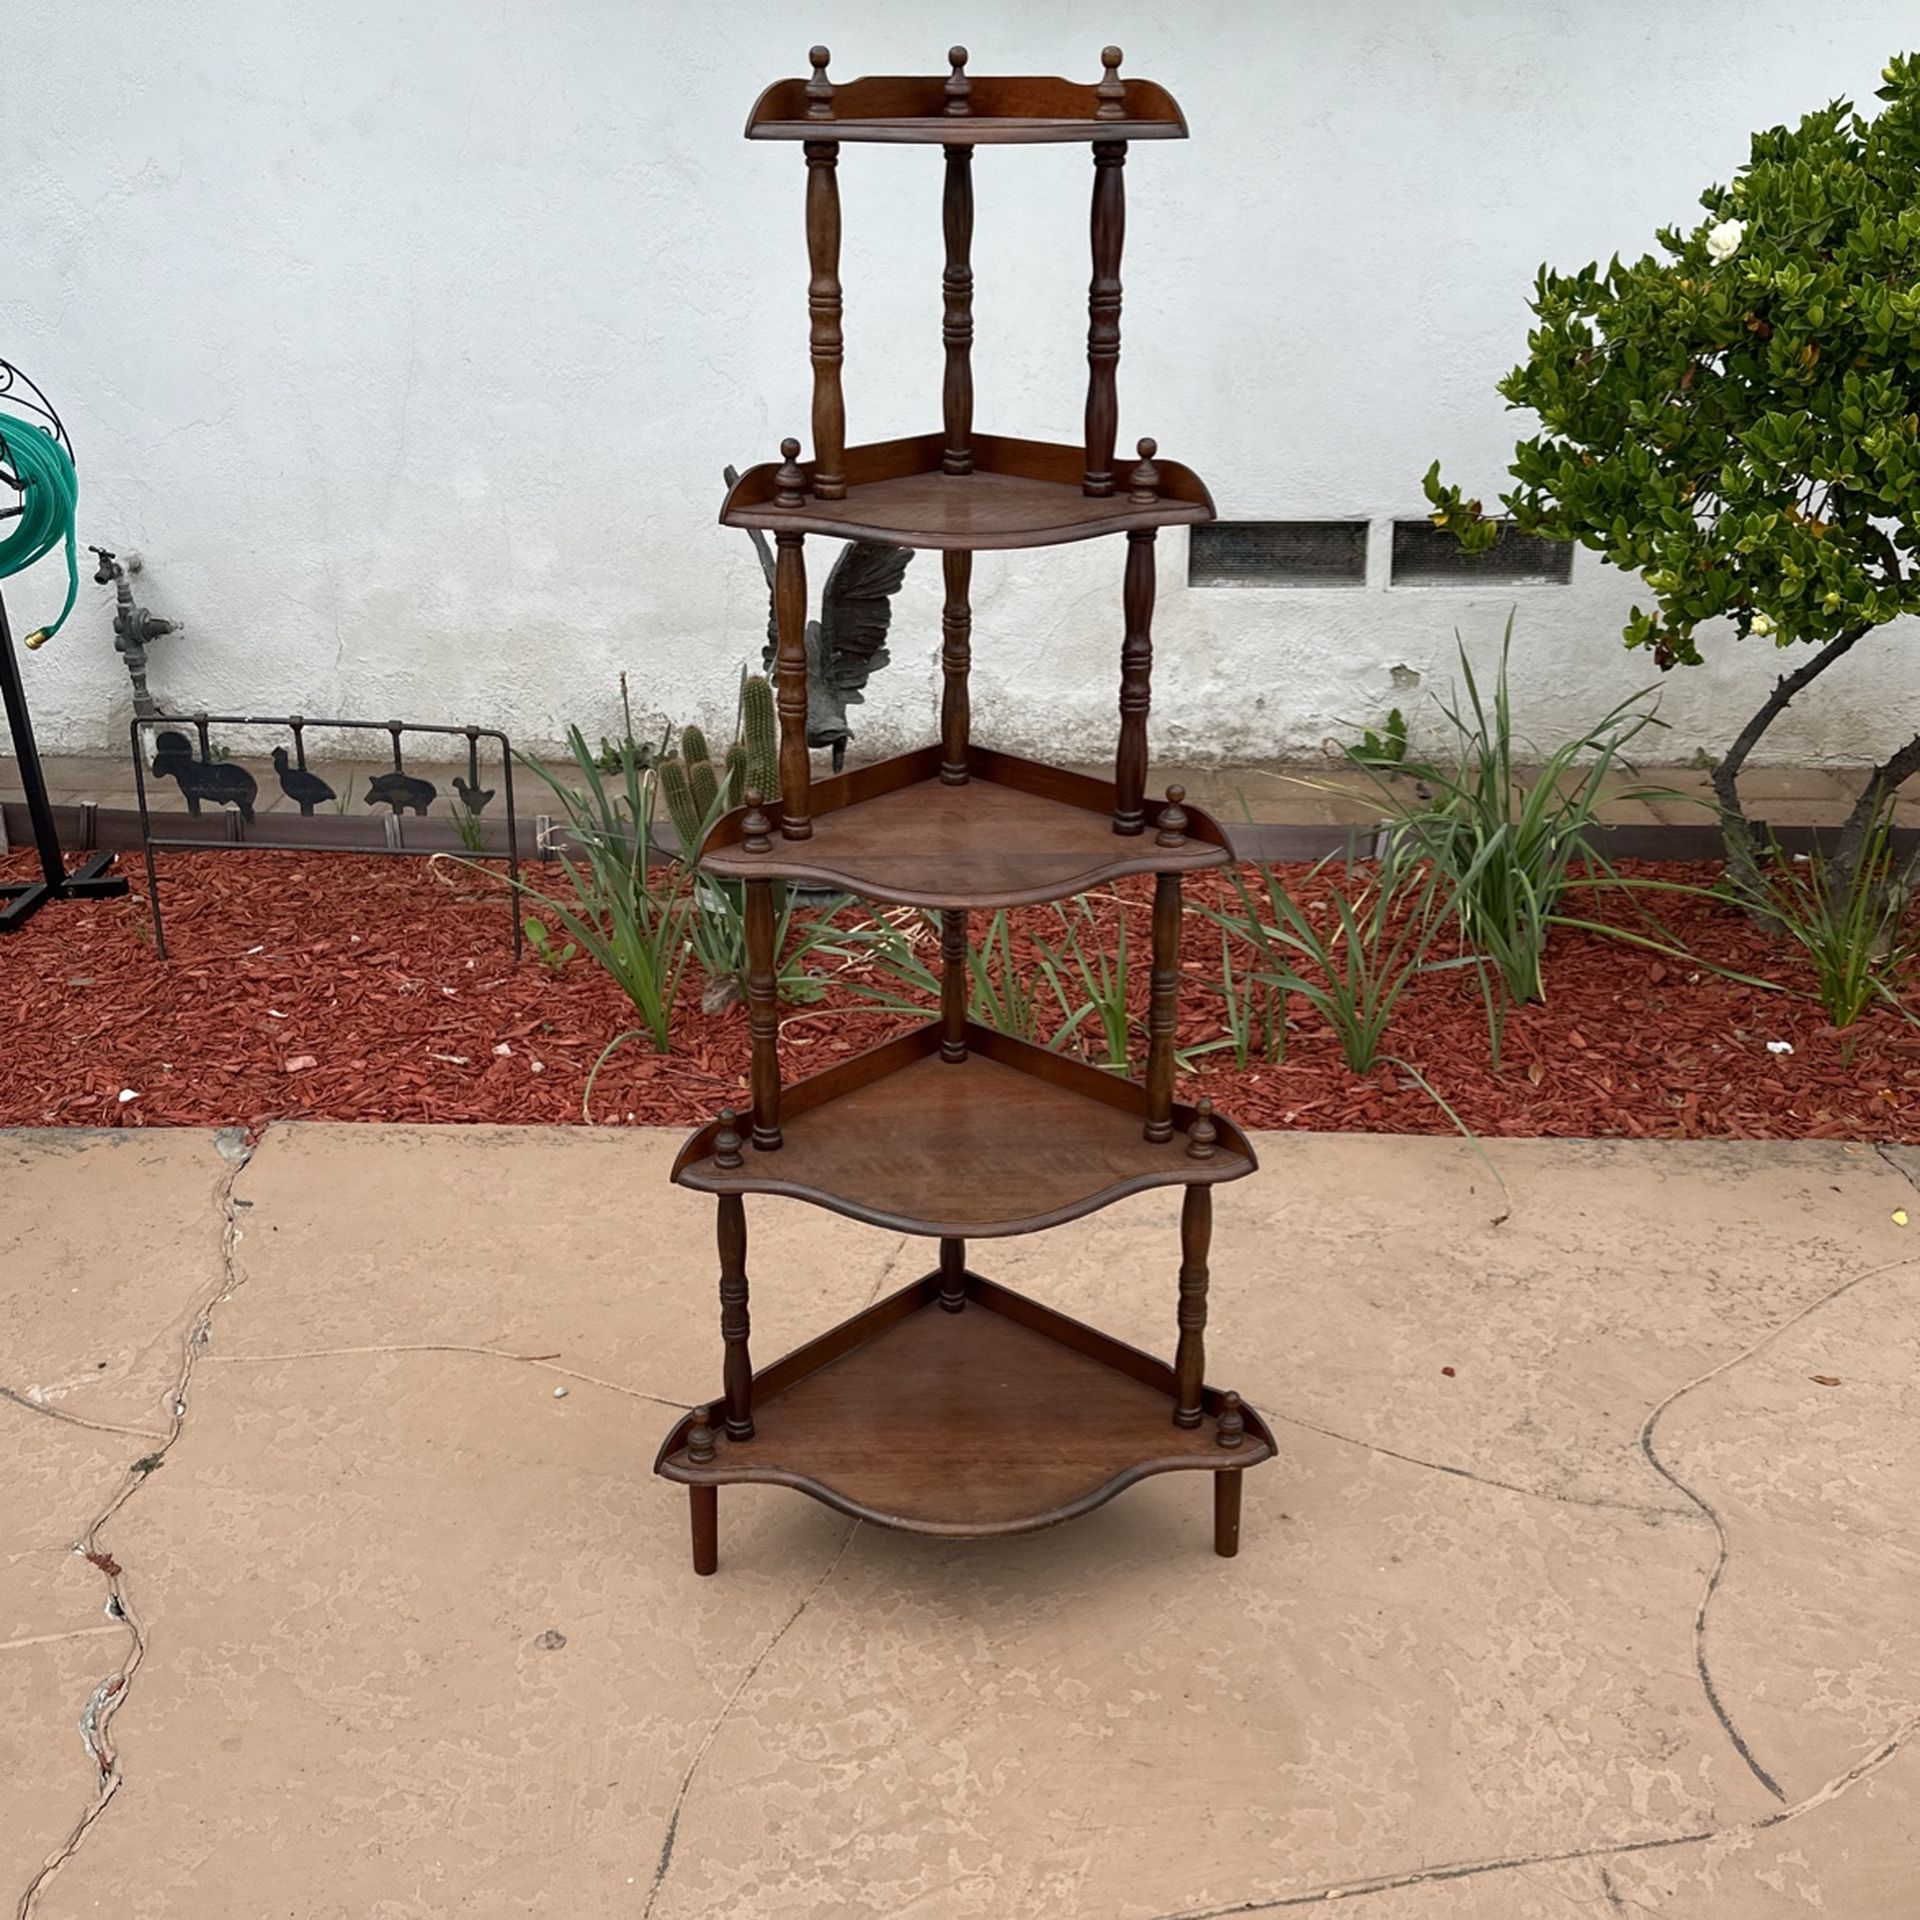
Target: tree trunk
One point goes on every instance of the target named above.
(1741, 836)
(1870, 808)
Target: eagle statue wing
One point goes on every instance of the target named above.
(856, 611)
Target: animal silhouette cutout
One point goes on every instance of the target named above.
(307, 789)
(401, 791)
(220, 781)
(472, 797)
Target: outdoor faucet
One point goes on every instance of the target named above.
(133, 626)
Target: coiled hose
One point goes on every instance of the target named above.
(47, 508)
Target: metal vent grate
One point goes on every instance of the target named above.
(1278, 553)
(1427, 556)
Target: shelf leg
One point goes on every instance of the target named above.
(763, 1016)
(1109, 231)
(1190, 1357)
(953, 1275)
(1163, 1007)
(1226, 1513)
(735, 1323)
(1136, 686)
(953, 985)
(704, 1505)
(826, 343)
(956, 661)
(790, 621)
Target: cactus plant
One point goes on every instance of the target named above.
(697, 791)
(758, 736)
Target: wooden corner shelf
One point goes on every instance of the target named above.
(958, 1407)
(1018, 493)
(1013, 833)
(1011, 1138)
(997, 1418)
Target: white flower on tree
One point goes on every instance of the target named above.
(1762, 625)
(1723, 241)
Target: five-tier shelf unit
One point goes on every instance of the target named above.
(957, 1406)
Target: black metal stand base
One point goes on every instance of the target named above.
(25, 898)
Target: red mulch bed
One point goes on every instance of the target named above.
(400, 991)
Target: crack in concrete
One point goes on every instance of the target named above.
(1880, 1152)
(543, 1361)
(1483, 1479)
(31, 1405)
(50, 1639)
(1601, 1851)
(720, 1719)
(1723, 1552)
(110, 1695)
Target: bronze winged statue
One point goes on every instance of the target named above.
(848, 642)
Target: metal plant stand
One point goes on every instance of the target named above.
(92, 881)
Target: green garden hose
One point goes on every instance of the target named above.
(47, 510)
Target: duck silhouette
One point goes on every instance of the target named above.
(307, 789)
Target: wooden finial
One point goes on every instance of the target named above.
(819, 88)
(726, 1143)
(1172, 819)
(1202, 1135)
(700, 1439)
(789, 483)
(1145, 478)
(756, 830)
(958, 85)
(1233, 1426)
(1112, 90)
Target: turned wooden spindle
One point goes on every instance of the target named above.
(726, 1143)
(1163, 1008)
(789, 483)
(826, 343)
(763, 1016)
(1109, 228)
(953, 1275)
(1203, 1135)
(1144, 481)
(1172, 820)
(735, 1325)
(756, 830)
(790, 621)
(956, 324)
(1190, 1356)
(819, 89)
(1112, 90)
(1232, 1425)
(958, 85)
(1136, 685)
(700, 1447)
(956, 664)
(953, 985)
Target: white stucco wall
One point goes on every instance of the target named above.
(406, 342)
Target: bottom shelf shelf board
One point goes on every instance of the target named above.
(1000, 1418)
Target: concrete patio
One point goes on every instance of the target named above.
(1584, 1585)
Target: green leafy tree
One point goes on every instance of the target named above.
(1737, 419)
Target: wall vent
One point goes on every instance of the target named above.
(1278, 553)
(1427, 556)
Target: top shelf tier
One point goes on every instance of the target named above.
(996, 110)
